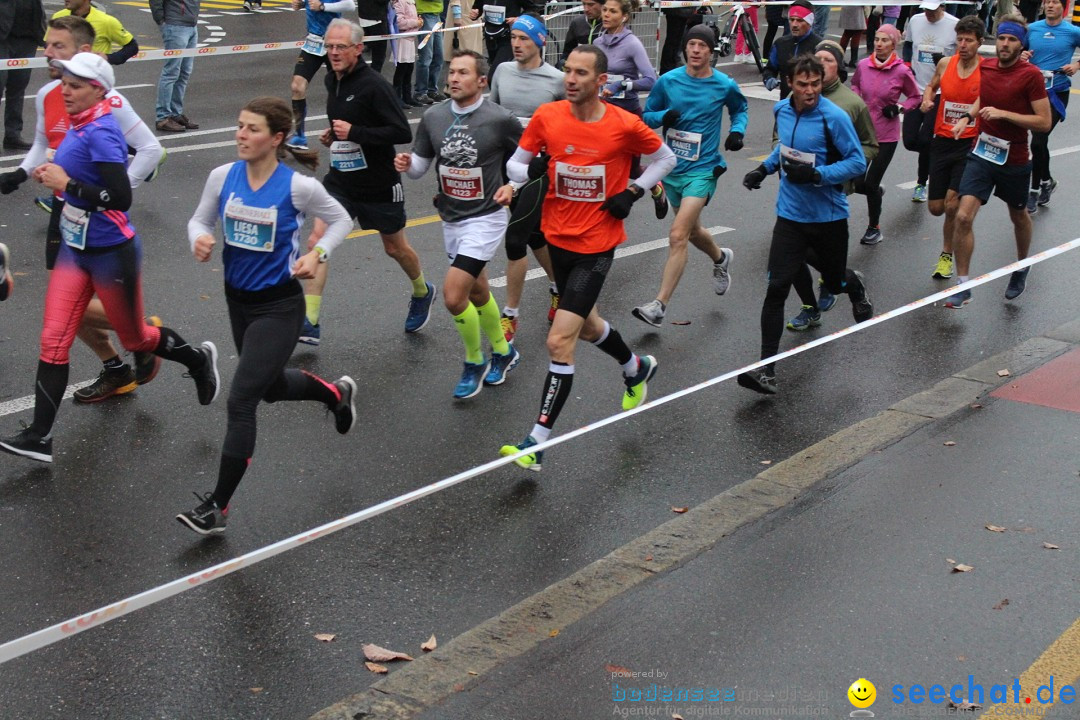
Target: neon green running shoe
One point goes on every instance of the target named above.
(532, 461)
(637, 387)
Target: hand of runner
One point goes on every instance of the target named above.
(670, 118)
(10, 182)
(51, 176)
(771, 84)
(402, 162)
(959, 127)
(753, 179)
(619, 204)
(204, 247)
(341, 129)
(734, 142)
(538, 166)
(305, 265)
(326, 137)
(801, 174)
(991, 113)
(504, 195)
(891, 111)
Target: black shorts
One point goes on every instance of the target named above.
(383, 217)
(307, 65)
(1008, 182)
(579, 277)
(947, 160)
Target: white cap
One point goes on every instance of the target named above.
(930, 4)
(88, 66)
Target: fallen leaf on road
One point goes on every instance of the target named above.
(430, 645)
(325, 637)
(950, 561)
(961, 658)
(381, 654)
(961, 567)
(553, 633)
(965, 706)
(472, 672)
(617, 669)
(1025, 529)
(204, 297)
(766, 462)
(949, 443)
(680, 322)
(1001, 604)
(648, 558)
(679, 510)
(458, 687)
(676, 716)
(1050, 546)
(256, 690)
(975, 406)
(376, 668)
(1004, 373)
(995, 528)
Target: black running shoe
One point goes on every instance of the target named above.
(345, 410)
(1017, 284)
(207, 518)
(110, 382)
(861, 307)
(206, 378)
(147, 365)
(29, 445)
(758, 380)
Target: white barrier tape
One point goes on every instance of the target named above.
(50, 635)
(40, 62)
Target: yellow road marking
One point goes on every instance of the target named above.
(1061, 661)
(426, 220)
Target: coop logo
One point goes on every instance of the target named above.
(463, 172)
(20, 62)
(579, 170)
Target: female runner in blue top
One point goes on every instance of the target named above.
(100, 253)
(261, 204)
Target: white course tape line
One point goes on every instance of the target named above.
(50, 635)
(40, 62)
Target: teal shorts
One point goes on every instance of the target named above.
(701, 185)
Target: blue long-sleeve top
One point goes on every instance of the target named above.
(700, 102)
(816, 131)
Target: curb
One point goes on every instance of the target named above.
(430, 679)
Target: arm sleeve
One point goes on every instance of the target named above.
(737, 108)
(661, 162)
(206, 214)
(148, 153)
(393, 128)
(852, 163)
(420, 165)
(309, 195)
(38, 151)
(124, 54)
(115, 194)
(340, 6)
(517, 167)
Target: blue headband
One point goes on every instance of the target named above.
(1015, 29)
(531, 27)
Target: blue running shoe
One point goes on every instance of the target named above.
(958, 300)
(420, 310)
(44, 202)
(502, 364)
(531, 461)
(309, 334)
(806, 319)
(472, 380)
(825, 298)
(297, 142)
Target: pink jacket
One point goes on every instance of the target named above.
(881, 87)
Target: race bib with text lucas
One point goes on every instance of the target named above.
(313, 45)
(797, 157)
(461, 183)
(347, 156)
(580, 183)
(250, 228)
(927, 53)
(954, 112)
(73, 226)
(992, 149)
(685, 144)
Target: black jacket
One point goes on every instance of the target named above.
(782, 51)
(23, 19)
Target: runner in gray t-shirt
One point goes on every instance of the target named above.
(521, 87)
(469, 140)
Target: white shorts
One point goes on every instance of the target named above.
(477, 237)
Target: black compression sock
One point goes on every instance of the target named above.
(49, 389)
(175, 348)
(556, 391)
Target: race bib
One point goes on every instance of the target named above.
(619, 94)
(495, 14)
(927, 53)
(313, 45)
(954, 112)
(685, 144)
(462, 183)
(73, 226)
(580, 183)
(250, 228)
(992, 149)
(1048, 79)
(347, 156)
(791, 155)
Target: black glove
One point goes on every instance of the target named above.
(801, 174)
(10, 182)
(754, 178)
(936, 57)
(538, 166)
(890, 111)
(670, 118)
(718, 171)
(619, 204)
(734, 142)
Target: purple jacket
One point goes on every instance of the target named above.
(880, 87)
(626, 56)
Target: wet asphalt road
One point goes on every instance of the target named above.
(97, 525)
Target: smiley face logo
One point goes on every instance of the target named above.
(862, 693)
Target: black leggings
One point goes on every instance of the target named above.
(871, 184)
(1040, 153)
(524, 228)
(265, 334)
(918, 130)
(823, 245)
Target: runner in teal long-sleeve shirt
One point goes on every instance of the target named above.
(687, 104)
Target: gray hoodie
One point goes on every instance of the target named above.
(175, 12)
